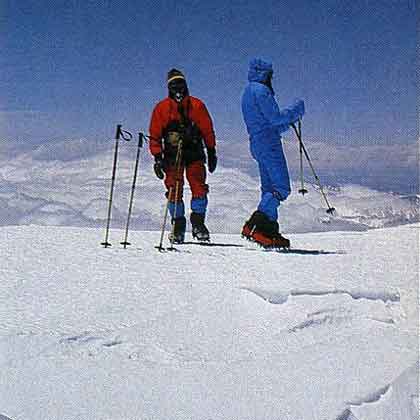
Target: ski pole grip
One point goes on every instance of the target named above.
(141, 138)
(118, 133)
(126, 135)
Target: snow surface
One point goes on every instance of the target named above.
(326, 332)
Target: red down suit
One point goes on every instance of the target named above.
(198, 132)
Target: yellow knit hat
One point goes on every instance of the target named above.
(174, 74)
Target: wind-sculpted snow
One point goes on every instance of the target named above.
(191, 334)
(347, 415)
(54, 186)
(362, 307)
(371, 398)
(280, 298)
(396, 400)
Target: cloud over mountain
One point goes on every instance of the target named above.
(68, 183)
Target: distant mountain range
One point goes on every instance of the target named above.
(53, 185)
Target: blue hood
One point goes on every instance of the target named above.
(259, 70)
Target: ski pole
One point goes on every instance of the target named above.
(177, 166)
(126, 136)
(183, 124)
(165, 216)
(177, 182)
(330, 210)
(133, 187)
(302, 190)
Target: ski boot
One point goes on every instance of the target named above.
(177, 235)
(199, 229)
(250, 225)
(265, 232)
(279, 241)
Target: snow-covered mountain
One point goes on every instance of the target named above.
(328, 331)
(53, 185)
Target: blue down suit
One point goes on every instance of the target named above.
(265, 124)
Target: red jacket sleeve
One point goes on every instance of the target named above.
(205, 124)
(155, 130)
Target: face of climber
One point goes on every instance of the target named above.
(177, 89)
(268, 81)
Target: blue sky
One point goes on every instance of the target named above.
(73, 69)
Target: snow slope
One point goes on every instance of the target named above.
(328, 331)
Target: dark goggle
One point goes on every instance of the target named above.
(177, 84)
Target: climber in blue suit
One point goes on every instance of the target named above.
(265, 123)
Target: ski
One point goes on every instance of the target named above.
(210, 244)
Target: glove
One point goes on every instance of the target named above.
(298, 111)
(212, 160)
(158, 166)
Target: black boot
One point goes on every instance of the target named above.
(259, 228)
(259, 221)
(250, 224)
(279, 241)
(178, 231)
(199, 230)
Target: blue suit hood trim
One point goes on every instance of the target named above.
(259, 70)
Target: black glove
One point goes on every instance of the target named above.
(212, 160)
(158, 166)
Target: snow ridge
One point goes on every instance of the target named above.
(371, 398)
(278, 298)
(347, 415)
